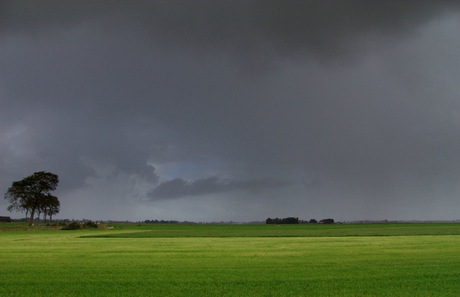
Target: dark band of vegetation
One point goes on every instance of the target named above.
(171, 231)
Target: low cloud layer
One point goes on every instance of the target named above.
(178, 188)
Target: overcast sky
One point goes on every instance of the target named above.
(234, 110)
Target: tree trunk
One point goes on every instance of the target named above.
(32, 217)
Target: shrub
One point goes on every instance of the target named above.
(72, 226)
(91, 224)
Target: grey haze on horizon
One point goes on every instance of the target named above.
(234, 110)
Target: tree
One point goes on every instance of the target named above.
(50, 206)
(327, 221)
(31, 193)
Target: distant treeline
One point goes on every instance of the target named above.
(288, 220)
(292, 220)
(160, 222)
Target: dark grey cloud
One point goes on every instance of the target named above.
(353, 104)
(178, 187)
(255, 30)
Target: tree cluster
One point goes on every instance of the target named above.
(32, 195)
(327, 221)
(160, 222)
(288, 220)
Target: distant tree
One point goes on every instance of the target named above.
(313, 221)
(291, 220)
(30, 193)
(288, 220)
(327, 221)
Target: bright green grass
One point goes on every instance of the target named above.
(62, 263)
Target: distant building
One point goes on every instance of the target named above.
(5, 219)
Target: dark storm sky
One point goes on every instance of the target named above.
(234, 110)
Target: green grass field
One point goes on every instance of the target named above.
(233, 260)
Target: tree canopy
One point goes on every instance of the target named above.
(33, 193)
(288, 220)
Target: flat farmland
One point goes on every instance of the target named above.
(233, 260)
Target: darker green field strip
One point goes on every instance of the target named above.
(179, 231)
